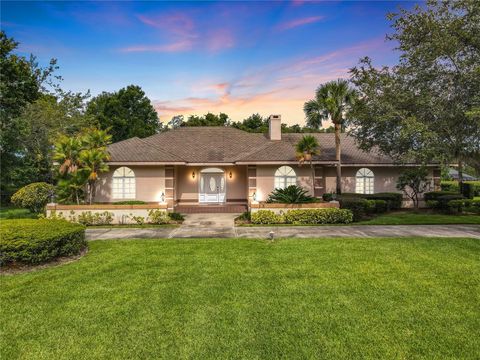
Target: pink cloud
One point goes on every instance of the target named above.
(179, 46)
(299, 22)
(220, 39)
(176, 23)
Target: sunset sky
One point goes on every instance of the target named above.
(190, 58)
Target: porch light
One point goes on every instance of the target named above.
(230, 174)
(162, 197)
(254, 196)
(193, 174)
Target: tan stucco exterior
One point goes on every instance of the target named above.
(149, 184)
(150, 181)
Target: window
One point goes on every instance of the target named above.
(364, 181)
(123, 186)
(285, 176)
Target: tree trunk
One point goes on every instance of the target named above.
(338, 158)
(460, 174)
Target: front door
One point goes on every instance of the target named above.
(212, 188)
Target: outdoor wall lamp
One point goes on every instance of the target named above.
(162, 197)
(193, 174)
(230, 174)
(254, 196)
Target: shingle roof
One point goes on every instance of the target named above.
(230, 145)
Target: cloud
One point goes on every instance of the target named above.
(179, 46)
(299, 22)
(281, 87)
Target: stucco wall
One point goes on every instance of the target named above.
(266, 179)
(149, 184)
(187, 186)
(385, 178)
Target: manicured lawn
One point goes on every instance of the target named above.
(425, 218)
(250, 299)
(15, 213)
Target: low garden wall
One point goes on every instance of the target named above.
(120, 214)
(282, 208)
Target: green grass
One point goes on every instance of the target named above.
(420, 218)
(15, 213)
(135, 226)
(251, 299)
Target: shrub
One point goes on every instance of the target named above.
(34, 196)
(433, 204)
(140, 220)
(158, 217)
(329, 196)
(130, 202)
(450, 186)
(292, 194)
(266, 217)
(377, 206)
(445, 199)
(464, 205)
(434, 195)
(467, 190)
(394, 200)
(318, 216)
(89, 218)
(245, 216)
(358, 206)
(176, 216)
(29, 241)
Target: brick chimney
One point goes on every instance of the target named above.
(275, 127)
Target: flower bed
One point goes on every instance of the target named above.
(281, 208)
(29, 241)
(303, 216)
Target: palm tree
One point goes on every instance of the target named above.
(333, 101)
(306, 148)
(67, 153)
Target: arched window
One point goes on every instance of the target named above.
(285, 176)
(123, 186)
(364, 181)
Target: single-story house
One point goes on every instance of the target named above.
(231, 168)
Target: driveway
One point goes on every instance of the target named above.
(222, 226)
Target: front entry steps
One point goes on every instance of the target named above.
(211, 208)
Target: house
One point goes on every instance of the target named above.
(195, 166)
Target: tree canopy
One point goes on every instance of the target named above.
(426, 106)
(126, 113)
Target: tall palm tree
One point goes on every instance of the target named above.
(306, 148)
(67, 153)
(333, 101)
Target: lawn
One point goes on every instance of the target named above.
(250, 299)
(419, 218)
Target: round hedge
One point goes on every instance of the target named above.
(30, 241)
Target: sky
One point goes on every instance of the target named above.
(190, 58)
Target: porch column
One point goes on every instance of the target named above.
(170, 187)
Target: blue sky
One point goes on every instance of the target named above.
(194, 57)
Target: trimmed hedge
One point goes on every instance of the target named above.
(34, 196)
(318, 216)
(464, 205)
(266, 217)
(358, 206)
(452, 186)
(130, 202)
(30, 241)
(434, 195)
(303, 216)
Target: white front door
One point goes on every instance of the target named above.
(212, 188)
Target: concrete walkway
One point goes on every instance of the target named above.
(222, 226)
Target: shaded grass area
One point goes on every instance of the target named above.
(421, 218)
(16, 213)
(251, 299)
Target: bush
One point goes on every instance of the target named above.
(434, 195)
(29, 241)
(266, 217)
(432, 204)
(329, 196)
(88, 218)
(245, 216)
(140, 220)
(358, 206)
(130, 202)
(176, 216)
(34, 196)
(467, 190)
(318, 216)
(450, 186)
(464, 205)
(158, 217)
(292, 194)
(377, 206)
(393, 200)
